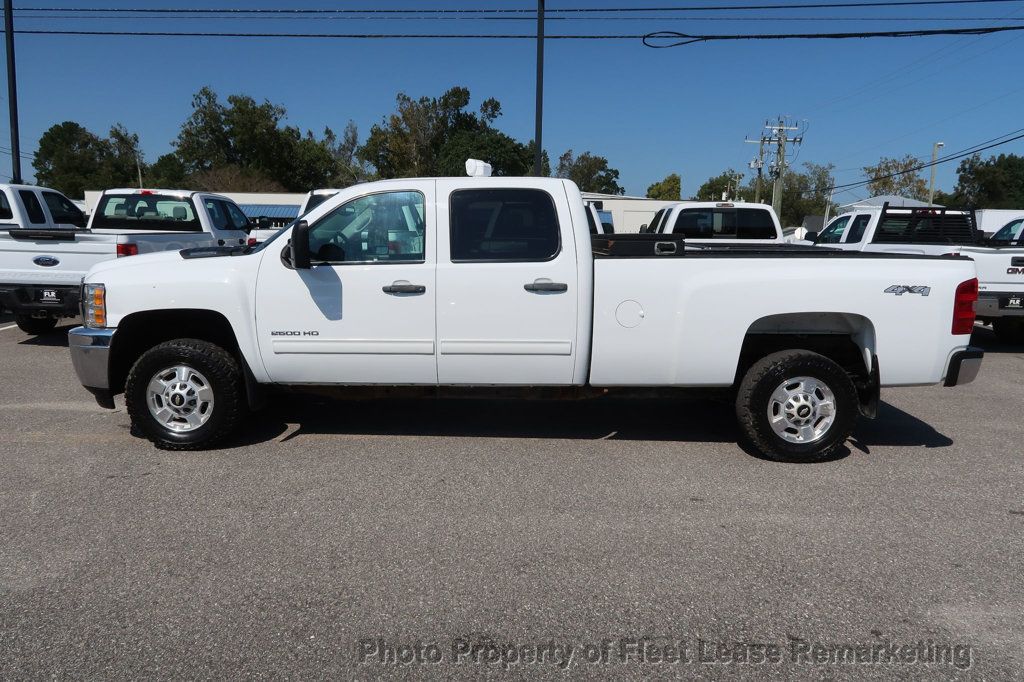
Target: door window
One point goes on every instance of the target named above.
(511, 225)
(218, 215)
(5, 207)
(857, 229)
(1010, 233)
(833, 233)
(388, 227)
(62, 210)
(32, 207)
(235, 216)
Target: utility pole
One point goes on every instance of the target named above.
(931, 185)
(779, 136)
(758, 165)
(12, 93)
(538, 152)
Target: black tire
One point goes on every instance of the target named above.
(1009, 330)
(754, 400)
(221, 371)
(35, 325)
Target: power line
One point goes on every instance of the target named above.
(937, 162)
(496, 11)
(678, 38)
(120, 16)
(681, 39)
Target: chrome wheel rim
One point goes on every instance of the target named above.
(180, 398)
(802, 410)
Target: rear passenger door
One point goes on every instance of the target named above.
(506, 286)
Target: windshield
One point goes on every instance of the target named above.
(146, 212)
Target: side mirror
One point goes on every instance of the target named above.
(263, 223)
(643, 228)
(811, 236)
(300, 246)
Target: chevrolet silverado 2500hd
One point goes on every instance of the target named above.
(999, 262)
(42, 262)
(485, 282)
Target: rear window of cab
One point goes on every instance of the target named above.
(146, 212)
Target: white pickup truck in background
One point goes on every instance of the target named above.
(45, 254)
(480, 283)
(937, 231)
(719, 222)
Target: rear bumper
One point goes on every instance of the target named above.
(21, 299)
(992, 304)
(964, 366)
(90, 355)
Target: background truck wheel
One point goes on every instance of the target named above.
(1009, 330)
(185, 394)
(35, 325)
(796, 406)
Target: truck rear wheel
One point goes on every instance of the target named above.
(1009, 330)
(796, 406)
(185, 394)
(35, 325)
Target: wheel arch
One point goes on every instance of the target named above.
(848, 339)
(140, 331)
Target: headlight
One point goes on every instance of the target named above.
(94, 305)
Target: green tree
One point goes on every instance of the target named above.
(434, 136)
(349, 169)
(901, 177)
(714, 188)
(669, 189)
(591, 173)
(167, 172)
(72, 159)
(249, 135)
(997, 182)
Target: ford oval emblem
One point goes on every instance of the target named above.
(45, 261)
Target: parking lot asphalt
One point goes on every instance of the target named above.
(503, 533)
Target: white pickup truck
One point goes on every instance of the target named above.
(481, 284)
(934, 231)
(719, 222)
(45, 254)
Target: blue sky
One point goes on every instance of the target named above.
(651, 112)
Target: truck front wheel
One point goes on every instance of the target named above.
(35, 325)
(796, 406)
(185, 394)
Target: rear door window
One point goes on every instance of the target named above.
(503, 225)
(1010, 233)
(857, 229)
(33, 208)
(236, 218)
(62, 210)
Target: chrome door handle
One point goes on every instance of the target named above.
(546, 286)
(405, 289)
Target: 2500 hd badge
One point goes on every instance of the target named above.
(295, 333)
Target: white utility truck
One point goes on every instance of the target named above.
(936, 231)
(44, 255)
(483, 284)
(719, 222)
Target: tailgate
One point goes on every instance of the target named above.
(999, 269)
(46, 258)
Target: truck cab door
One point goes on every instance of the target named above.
(364, 312)
(506, 285)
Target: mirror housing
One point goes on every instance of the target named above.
(263, 223)
(643, 228)
(811, 236)
(300, 246)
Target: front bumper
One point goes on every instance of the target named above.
(90, 355)
(992, 304)
(23, 299)
(964, 366)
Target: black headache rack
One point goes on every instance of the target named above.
(926, 225)
(637, 245)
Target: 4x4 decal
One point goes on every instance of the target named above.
(900, 289)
